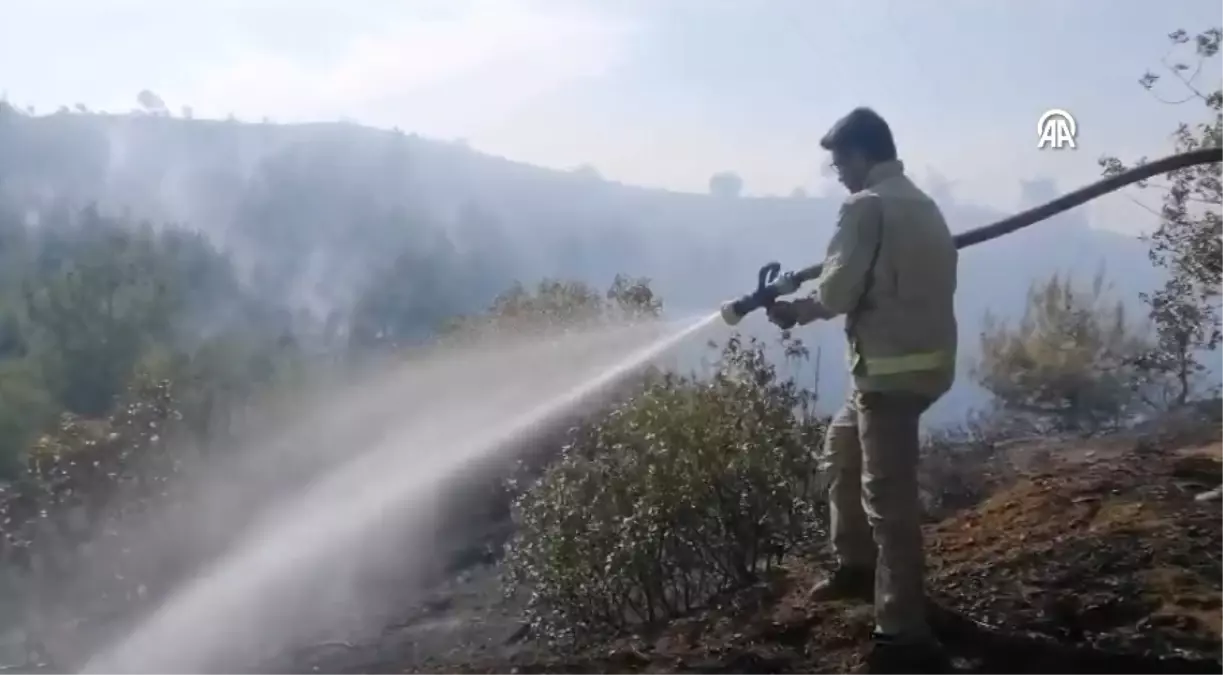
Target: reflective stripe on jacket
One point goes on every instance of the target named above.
(891, 269)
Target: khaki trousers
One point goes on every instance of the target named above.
(872, 448)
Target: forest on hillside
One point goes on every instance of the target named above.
(168, 284)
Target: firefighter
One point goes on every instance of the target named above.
(890, 270)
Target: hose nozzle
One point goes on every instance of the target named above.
(770, 284)
(729, 315)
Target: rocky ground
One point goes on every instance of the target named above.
(1092, 557)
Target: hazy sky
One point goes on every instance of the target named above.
(651, 92)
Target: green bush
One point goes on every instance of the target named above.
(62, 516)
(689, 489)
(1068, 365)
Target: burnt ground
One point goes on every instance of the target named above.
(1092, 557)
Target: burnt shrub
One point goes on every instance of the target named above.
(693, 487)
(963, 464)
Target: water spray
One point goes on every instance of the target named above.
(771, 283)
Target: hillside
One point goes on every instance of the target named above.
(129, 334)
(1086, 557)
(312, 212)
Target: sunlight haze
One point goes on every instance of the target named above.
(658, 94)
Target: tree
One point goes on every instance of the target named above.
(151, 102)
(1187, 242)
(410, 299)
(633, 299)
(87, 300)
(1186, 323)
(556, 305)
(1069, 363)
(726, 184)
(94, 312)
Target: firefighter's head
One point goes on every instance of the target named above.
(858, 141)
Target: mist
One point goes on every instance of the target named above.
(311, 214)
(323, 524)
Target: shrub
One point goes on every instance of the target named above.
(61, 518)
(689, 489)
(963, 464)
(554, 307)
(1068, 365)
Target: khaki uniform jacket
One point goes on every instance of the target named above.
(891, 269)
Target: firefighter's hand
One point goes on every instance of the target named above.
(783, 314)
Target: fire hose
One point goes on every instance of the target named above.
(771, 283)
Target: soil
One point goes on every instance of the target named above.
(1094, 557)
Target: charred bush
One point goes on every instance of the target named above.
(962, 464)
